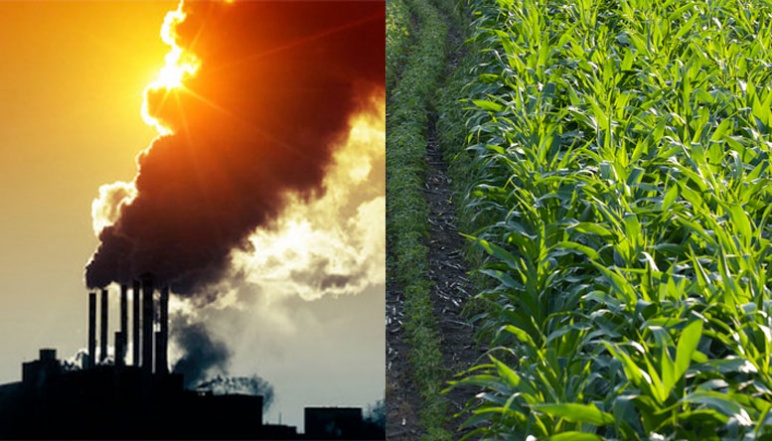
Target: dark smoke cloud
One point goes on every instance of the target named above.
(276, 86)
(318, 273)
(204, 365)
(253, 385)
(204, 356)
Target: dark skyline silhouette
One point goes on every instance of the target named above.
(124, 402)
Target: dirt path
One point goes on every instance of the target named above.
(448, 271)
(402, 400)
(449, 294)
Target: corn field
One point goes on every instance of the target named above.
(621, 190)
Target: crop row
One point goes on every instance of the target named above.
(622, 193)
(406, 227)
(398, 38)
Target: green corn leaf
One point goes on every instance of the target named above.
(657, 387)
(670, 196)
(574, 436)
(635, 176)
(668, 372)
(740, 220)
(721, 129)
(488, 105)
(687, 344)
(506, 373)
(497, 251)
(588, 227)
(632, 228)
(627, 62)
(633, 372)
(720, 402)
(577, 413)
(589, 252)
(702, 416)
(521, 335)
(503, 277)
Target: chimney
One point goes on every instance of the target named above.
(103, 329)
(162, 337)
(120, 355)
(135, 320)
(120, 348)
(158, 343)
(147, 324)
(91, 330)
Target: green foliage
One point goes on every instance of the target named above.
(398, 38)
(407, 120)
(621, 192)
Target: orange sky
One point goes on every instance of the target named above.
(71, 85)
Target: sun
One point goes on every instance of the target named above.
(179, 64)
(172, 74)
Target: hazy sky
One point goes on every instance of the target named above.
(71, 91)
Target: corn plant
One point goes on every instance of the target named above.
(621, 157)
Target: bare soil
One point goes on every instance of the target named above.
(450, 293)
(402, 399)
(448, 271)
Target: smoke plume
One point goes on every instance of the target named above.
(253, 128)
(204, 356)
(253, 385)
(334, 245)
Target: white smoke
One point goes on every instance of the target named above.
(334, 245)
(106, 209)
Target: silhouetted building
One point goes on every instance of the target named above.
(116, 400)
(341, 423)
(277, 432)
(113, 402)
(119, 401)
(35, 374)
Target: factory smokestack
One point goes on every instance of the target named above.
(120, 355)
(158, 343)
(135, 320)
(120, 348)
(147, 324)
(103, 329)
(232, 155)
(91, 330)
(235, 155)
(162, 337)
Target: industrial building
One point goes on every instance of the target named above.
(327, 423)
(112, 398)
